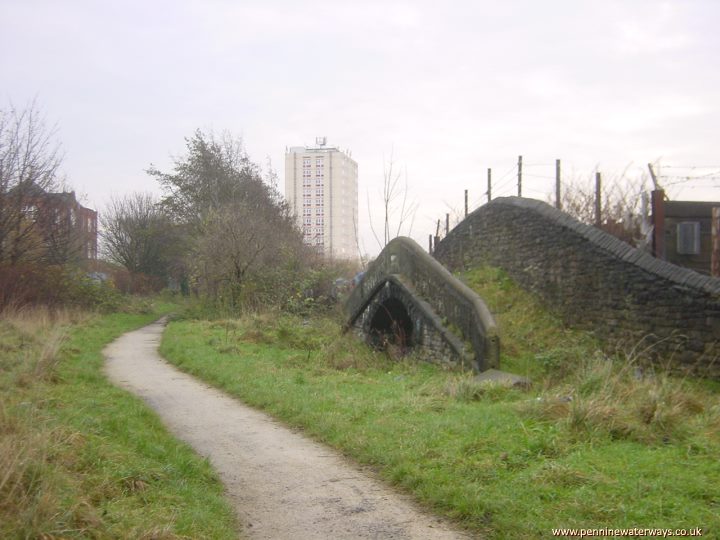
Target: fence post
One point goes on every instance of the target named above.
(489, 191)
(447, 224)
(430, 246)
(598, 199)
(658, 220)
(656, 185)
(466, 203)
(715, 261)
(558, 201)
(519, 176)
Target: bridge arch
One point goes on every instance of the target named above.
(391, 324)
(408, 296)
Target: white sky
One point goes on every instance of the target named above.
(451, 87)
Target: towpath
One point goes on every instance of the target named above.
(281, 484)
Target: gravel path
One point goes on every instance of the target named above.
(282, 485)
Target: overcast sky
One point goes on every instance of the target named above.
(451, 88)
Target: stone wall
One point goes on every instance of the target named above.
(594, 280)
(450, 302)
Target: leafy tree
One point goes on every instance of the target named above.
(213, 173)
(244, 246)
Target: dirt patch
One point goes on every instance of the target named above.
(282, 485)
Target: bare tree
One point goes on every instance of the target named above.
(620, 206)
(398, 212)
(245, 247)
(138, 234)
(29, 167)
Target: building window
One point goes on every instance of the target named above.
(319, 181)
(688, 238)
(319, 192)
(319, 202)
(30, 211)
(319, 221)
(307, 211)
(319, 211)
(307, 202)
(319, 173)
(308, 221)
(319, 162)
(306, 162)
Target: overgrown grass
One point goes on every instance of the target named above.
(594, 443)
(535, 343)
(82, 459)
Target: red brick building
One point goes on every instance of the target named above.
(686, 233)
(69, 230)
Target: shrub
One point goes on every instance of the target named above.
(55, 286)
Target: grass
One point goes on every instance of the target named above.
(80, 458)
(534, 342)
(594, 443)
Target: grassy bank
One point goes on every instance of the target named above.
(593, 444)
(82, 459)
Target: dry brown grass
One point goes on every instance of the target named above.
(619, 399)
(27, 490)
(30, 339)
(38, 320)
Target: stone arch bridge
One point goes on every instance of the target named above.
(409, 299)
(590, 278)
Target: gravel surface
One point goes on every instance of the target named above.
(281, 484)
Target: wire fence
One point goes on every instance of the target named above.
(616, 198)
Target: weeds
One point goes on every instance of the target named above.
(592, 394)
(64, 453)
(534, 342)
(615, 398)
(466, 387)
(32, 339)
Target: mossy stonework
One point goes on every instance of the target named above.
(408, 289)
(594, 280)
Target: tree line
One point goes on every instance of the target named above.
(220, 230)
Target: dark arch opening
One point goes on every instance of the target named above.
(391, 325)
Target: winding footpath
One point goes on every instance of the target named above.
(281, 484)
